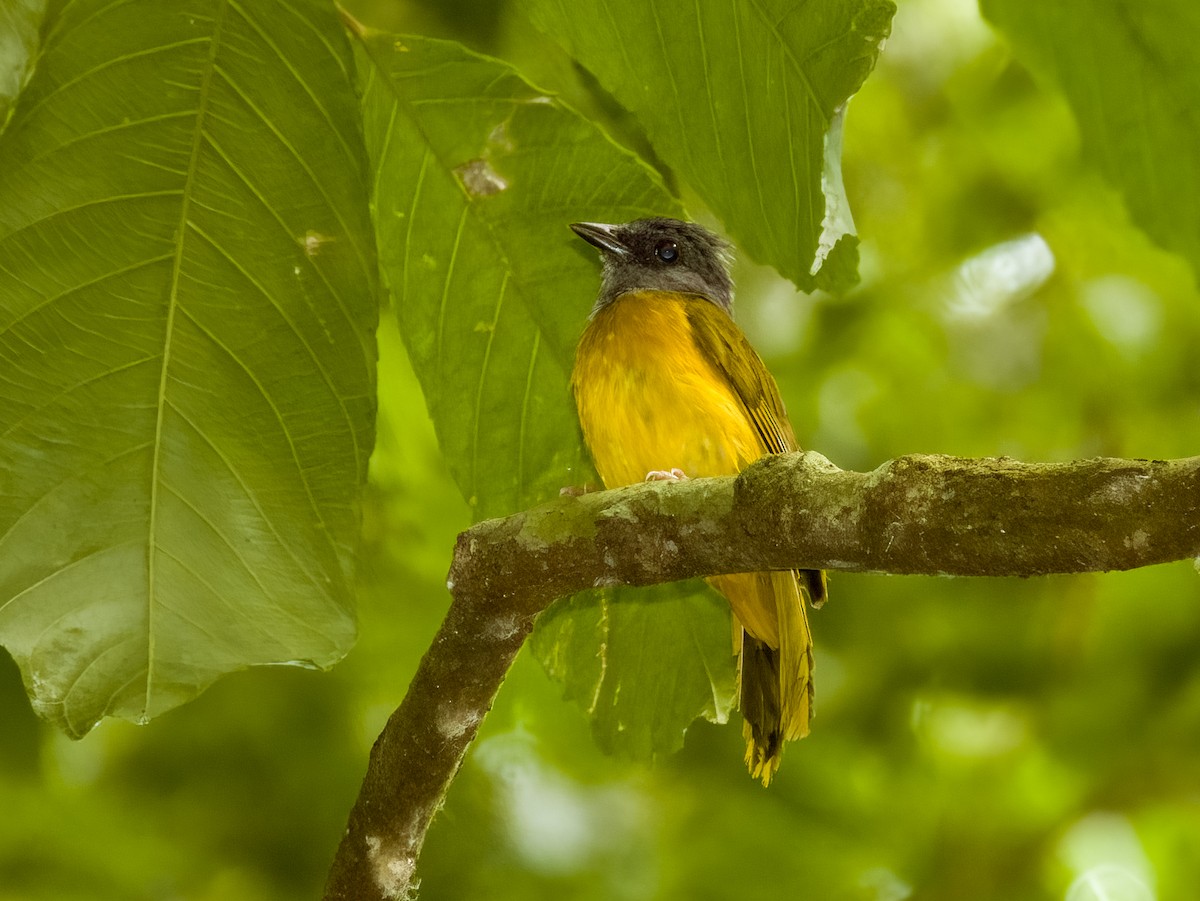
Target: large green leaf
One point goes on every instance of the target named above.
(187, 304)
(478, 174)
(643, 663)
(1131, 74)
(740, 98)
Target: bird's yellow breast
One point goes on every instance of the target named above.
(648, 399)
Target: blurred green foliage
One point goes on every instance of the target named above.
(1002, 739)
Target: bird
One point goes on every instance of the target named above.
(667, 386)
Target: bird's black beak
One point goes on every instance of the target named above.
(602, 236)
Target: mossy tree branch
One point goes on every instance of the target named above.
(915, 514)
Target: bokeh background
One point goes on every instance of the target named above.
(998, 739)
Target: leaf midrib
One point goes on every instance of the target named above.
(205, 91)
(400, 101)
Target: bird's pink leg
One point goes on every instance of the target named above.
(663, 475)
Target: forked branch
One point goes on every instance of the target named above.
(916, 514)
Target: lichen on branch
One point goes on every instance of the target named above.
(916, 514)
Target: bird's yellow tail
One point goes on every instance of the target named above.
(775, 667)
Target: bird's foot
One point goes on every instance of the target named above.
(663, 475)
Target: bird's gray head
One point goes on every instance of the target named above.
(660, 255)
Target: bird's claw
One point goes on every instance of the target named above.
(663, 475)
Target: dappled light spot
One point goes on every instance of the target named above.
(1105, 853)
(842, 401)
(1126, 312)
(559, 826)
(884, 885)
(1004, 273)
(966, 729)
(996, 340)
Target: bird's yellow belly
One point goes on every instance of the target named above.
(649, 401)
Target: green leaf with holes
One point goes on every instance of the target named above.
(187, 304)
(742, 99)
(477, 174)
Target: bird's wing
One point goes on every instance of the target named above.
(722, 343)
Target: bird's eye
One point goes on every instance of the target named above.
(666, 251)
